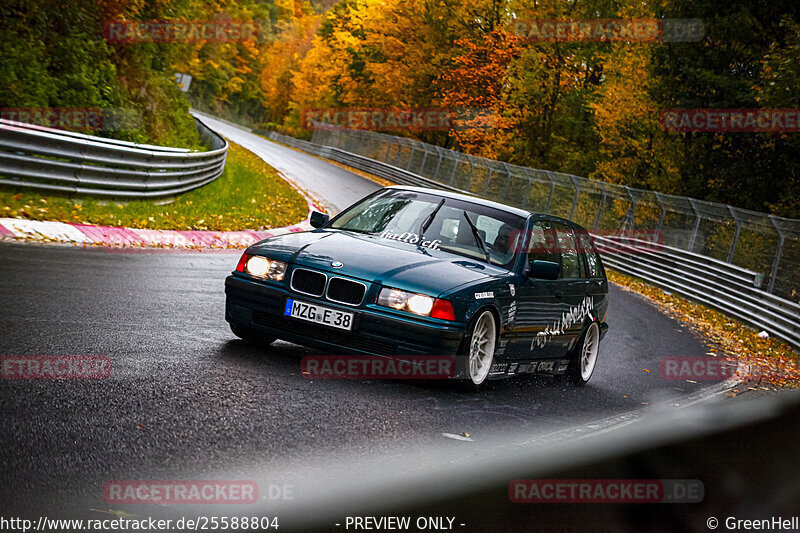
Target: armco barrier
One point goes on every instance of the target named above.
(74, 163)
(732, 289)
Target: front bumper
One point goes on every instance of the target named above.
(258, 306)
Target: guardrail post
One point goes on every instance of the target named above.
(777, 261)
(527, 192)
(508, 180)
(422, 165)
(628, 222)
(453, 172)
(388, 149)
(735, 235)
(438, 164)
(552, 190)
(574, 198)
(488, 180)
(600, 211)
(663, 213)
(696, 225)
(411, 157)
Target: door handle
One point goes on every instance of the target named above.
(559, 295)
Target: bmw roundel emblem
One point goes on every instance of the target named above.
(337, 264)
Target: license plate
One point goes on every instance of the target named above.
(319, 314)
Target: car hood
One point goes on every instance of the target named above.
(371, 258)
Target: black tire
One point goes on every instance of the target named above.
(577, 373)
(467, 372)
(252, 336)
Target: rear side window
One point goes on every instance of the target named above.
(588, 250)
(571, 263)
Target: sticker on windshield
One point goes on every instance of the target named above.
(410, 238)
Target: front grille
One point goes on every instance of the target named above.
(308, 282)
(345, 291)
(345, 339)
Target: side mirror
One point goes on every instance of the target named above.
(544, 270)
(318, 219)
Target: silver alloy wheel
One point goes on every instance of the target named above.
(588, 355)
(481, 347)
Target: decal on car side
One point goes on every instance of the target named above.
(484, 295)
(575, 314)
(511, 314)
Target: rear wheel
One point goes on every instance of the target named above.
(584, 357)
(252, 336)
(479, 345)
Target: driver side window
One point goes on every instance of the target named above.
(542, 246)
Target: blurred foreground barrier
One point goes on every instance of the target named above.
(74, 163)
(685, 259)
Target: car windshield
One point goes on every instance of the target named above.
(417, 218)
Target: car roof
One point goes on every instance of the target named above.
(476, 199)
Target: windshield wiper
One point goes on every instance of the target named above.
(478, 238)
(428, 221)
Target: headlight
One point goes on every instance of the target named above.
(257, 266)
(418, 304)
(262, 267)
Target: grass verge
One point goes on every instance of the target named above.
(248, 195)
(764, 362)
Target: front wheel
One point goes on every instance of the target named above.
(481, 339)
(584, 357)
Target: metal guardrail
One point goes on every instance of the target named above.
(729, 288)
(705, 280)
(74, 163)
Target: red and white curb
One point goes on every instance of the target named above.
(86, 234)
